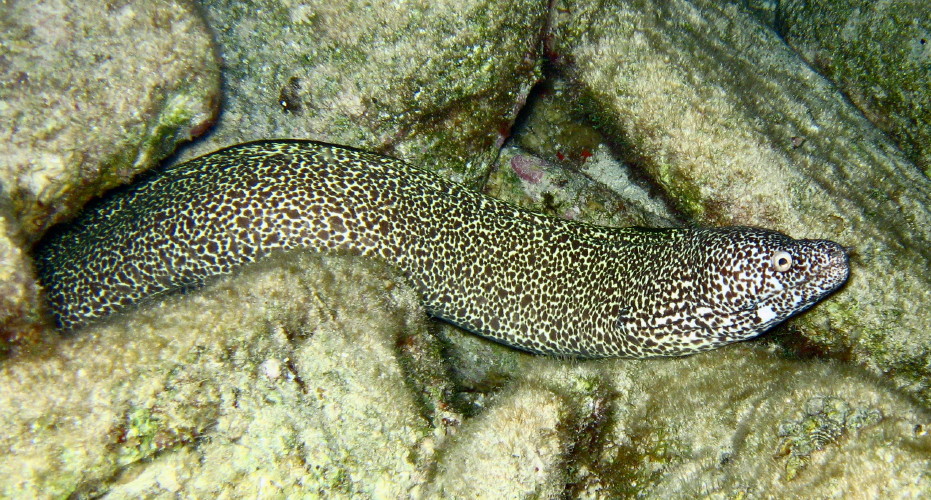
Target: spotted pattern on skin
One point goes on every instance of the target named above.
(534, 282)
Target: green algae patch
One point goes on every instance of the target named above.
(824, 421)
(138, 437)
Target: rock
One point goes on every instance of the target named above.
(570, 194)
(93, 93)
(737, 129)
(317, 375)
(878, 54)
(288, 376)
(312, 375)
(515, 449)
(434, 85)
(21, 319)
(746, 423)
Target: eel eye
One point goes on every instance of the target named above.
(782, 261)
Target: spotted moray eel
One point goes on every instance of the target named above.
(534, 282)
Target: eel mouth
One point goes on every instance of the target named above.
(835, 271)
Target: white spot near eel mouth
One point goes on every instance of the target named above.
(766, 313)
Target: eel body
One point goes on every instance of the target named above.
(534, 282)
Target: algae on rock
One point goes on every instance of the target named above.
(292, 378)
(21, 321)
(93, 93)
(435, 84)
(737, 129)
(284, 378)
(879, 54)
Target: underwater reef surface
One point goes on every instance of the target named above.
(91, 93)
(736, 128)
(311, 374)
(94, 93)
(437, 84)
(879, 54)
